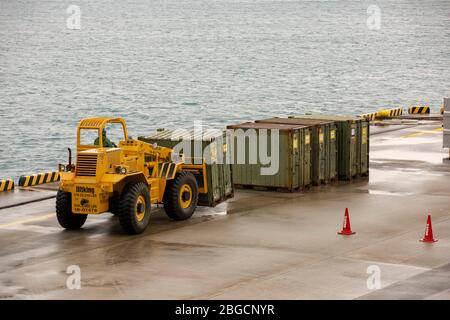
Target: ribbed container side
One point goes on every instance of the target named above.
(211, 146)
(323, 143)
(353, 143)
(289, 165)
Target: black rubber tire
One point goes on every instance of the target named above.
(127, 216)
(172, 205)
(66, 218)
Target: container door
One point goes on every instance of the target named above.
(326, 144)
(297, 177)
(346, 150)
(358, 147)
(322, 155)
(354, 150)
(215, 148)
(315, 156)
(215, 182)
(254, 169)
(241, 172)
(221, 184)
(206, 199)
(307, 158)
(333, 152)
(285, 168)
(228, 181)
(209, 150)
(364, 147)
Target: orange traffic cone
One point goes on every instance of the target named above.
(428, 237)
(346, 229)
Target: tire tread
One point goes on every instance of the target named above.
(171, 203)
(126, 207)
(66, 218)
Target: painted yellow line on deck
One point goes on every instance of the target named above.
(15, 223)
(419, 133)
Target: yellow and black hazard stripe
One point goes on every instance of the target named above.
(369, 116)
(419, 109)
(6, 185)
(166, 170)
(396, 112)
(389, 113)
(40, 178)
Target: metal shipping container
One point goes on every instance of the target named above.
(294, 156)
(323, 143)
(353, 144)
(446, 135)
(362, 140)
(211, 146)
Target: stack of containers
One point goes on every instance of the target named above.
(353, 144)
(446, 122)
(213, 147)
(293, 170)
(323, 143)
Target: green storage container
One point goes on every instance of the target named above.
(294, 156)
(213, 147)
(364, 129)
(323, 143)
(353, 137)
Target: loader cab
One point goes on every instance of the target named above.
(92, 133)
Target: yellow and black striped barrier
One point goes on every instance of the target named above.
(6, 185)
(40, 178)
(419, 109)
(383, 114)
(369, 116)
(390, 113)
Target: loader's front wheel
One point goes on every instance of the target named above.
(66, 218)
(134, 213)
(181, 196)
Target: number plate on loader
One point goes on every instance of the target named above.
(85, 199)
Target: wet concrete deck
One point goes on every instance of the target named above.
(259, 245)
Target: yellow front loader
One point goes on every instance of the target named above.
(125, 179)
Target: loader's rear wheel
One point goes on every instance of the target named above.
(181, 196)
(66, 218)
(134, 213)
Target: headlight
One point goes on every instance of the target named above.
(121, 170)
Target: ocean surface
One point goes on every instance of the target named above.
(168, 63)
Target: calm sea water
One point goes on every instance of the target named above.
(167, 63)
